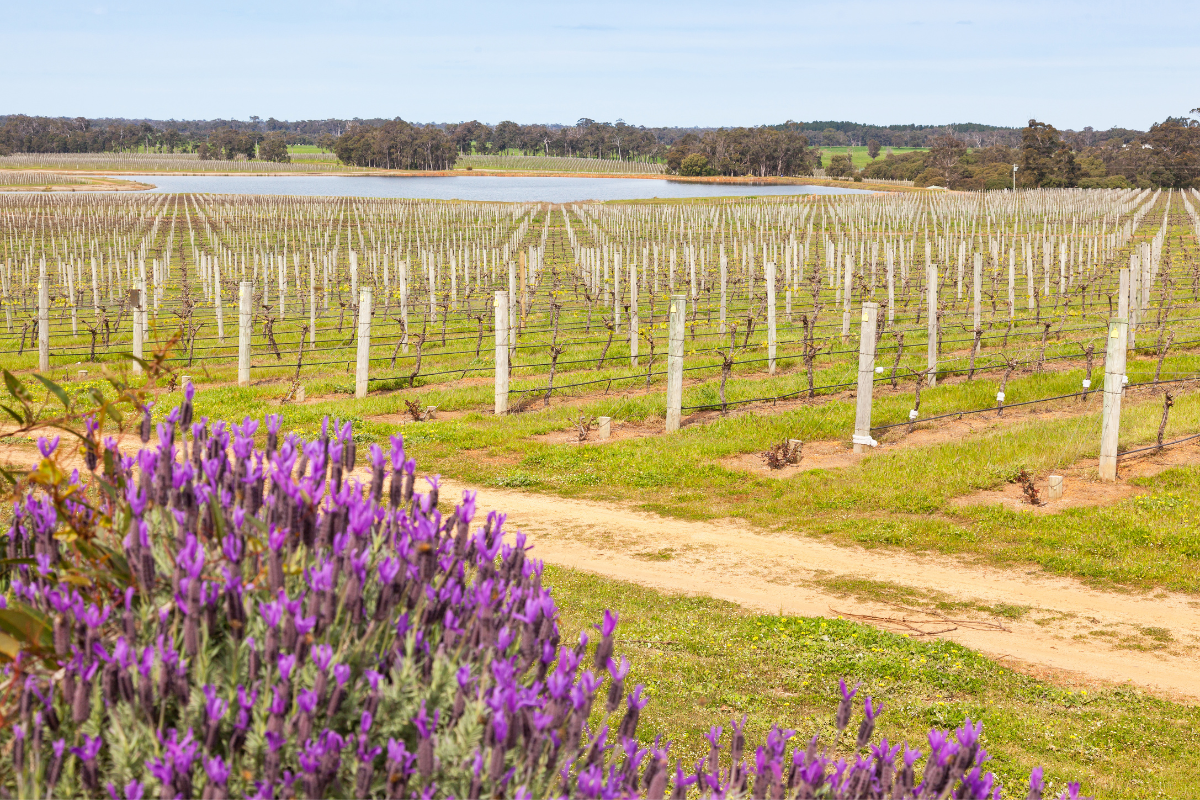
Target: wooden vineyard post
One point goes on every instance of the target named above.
(771, 317)
(633, 314)
(675, 362)
(1132, 295)
(71, 296)
(217, 298)
(866, 378)
(1012, 284)
(362, 367)
(312, 303)
(44, 322)
(138, 296)
(891, 287)
(511, 318)
(5, 279)
(523, 269)
(1114, 386)
(847, 290)
(976, 296)
(245, 327)
(95, 293)
(931, 347)
(724, 287)
(617, 291)
(402, 279)
(501, 308)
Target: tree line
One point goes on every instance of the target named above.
(1168, 155)
(966, 156)
(742, 151)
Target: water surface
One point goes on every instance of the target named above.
(476, 187)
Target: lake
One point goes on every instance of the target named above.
(476, 187)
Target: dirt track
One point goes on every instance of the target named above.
(789, 573)
(1092, 636)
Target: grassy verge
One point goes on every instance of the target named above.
(705, 661)
(901, 497)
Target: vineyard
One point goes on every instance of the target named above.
(769, 294)
(157, 162)
(848, 367)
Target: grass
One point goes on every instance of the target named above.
(900, 498)
(858, 155)
(705, 661)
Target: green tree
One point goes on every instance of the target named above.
(274, 148)
(1175, 150)
(873, 148)
(840, 166)
(694, 164)
(1046, 160)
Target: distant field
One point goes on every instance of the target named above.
(305, 148)
(858, 155)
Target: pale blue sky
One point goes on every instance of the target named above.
(667, 63)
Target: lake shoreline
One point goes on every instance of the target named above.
(506, 188)
(717, 180)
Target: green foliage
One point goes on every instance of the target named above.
(839, 166)
(899, 167)
(1046, 160)
(274, 148)
(694, 164)
(700, 656)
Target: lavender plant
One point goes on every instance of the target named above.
(208, 619)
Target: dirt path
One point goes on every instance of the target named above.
(1100, 637)
(1034, 622)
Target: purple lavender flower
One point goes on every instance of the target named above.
(844, 707)
(867, 728)
(47, 446)
(604, 650)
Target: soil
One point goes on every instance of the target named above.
(99, 186)
(1081, 484)
(1092, 636)
(1039, 623)
(618, 432)
(813, 455)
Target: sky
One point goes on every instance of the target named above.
(666, 63)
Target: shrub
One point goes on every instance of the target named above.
(931, 177)
(211, 619)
